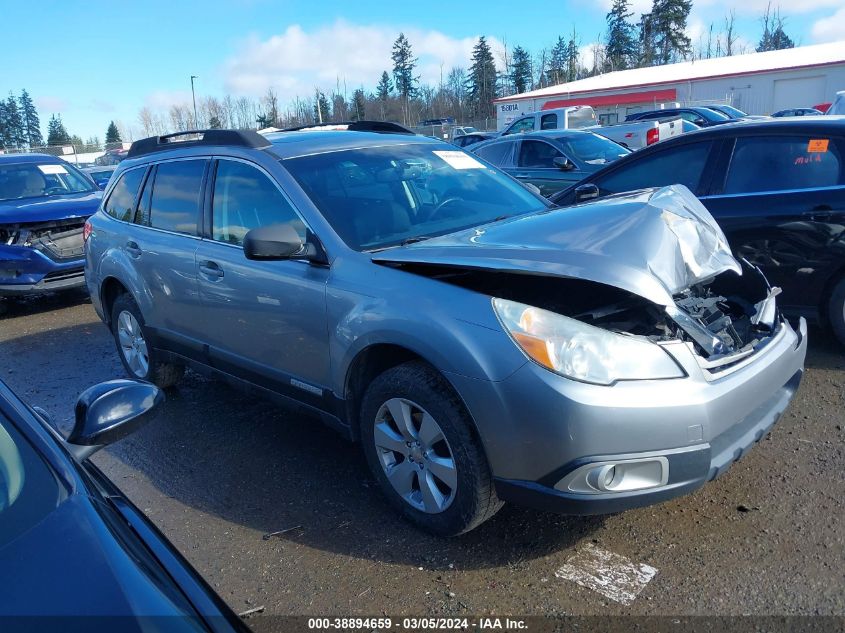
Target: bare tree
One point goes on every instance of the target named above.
(730, 34)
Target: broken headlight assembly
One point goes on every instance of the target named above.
(583, 352)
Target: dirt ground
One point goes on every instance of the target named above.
(219, 471)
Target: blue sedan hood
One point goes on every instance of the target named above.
(69, 564)
(46, 208)
(653, 243)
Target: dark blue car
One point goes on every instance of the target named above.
(75, 554)
(44, 202)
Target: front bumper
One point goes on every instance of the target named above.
(25, 270)
(538, 428)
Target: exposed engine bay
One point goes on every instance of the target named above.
(59, 239)
(721, 317)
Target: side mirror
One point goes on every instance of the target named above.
(585, 192)
(275, 241)
(110, 411)
(564, 164)
(700, 121)
(531, 187)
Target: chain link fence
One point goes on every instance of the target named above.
(76, 154)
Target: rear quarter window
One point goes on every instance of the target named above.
(121, 201)
(497, 154)
(761, 164)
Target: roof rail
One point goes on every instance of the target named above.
(197, 138)
(382, 127)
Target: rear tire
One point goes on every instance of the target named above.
(432, 468)
(836, 310)
(139, 358)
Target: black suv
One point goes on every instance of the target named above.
(777, 189)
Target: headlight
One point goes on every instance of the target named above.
(580, 351)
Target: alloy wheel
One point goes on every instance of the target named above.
(415, 456)
(132, 344)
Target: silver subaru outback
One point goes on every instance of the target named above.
(481, 345)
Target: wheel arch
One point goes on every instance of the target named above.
(375, 359)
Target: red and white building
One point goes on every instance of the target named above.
(758, 83)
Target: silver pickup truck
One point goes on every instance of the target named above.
(632, 135)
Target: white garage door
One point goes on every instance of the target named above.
(803, 92)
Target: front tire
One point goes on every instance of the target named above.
(139, 358)
(836, 310)
(420, 446)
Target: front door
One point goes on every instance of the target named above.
(535, 164)
(263, 320)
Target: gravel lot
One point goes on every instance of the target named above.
(219, 471)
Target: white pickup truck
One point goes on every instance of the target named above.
(631, 135)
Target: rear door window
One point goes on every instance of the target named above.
(682, 165)
(548, 122)
(498, 154)
(175, 201)
(121, 202)
(244, 199)
(761, 164)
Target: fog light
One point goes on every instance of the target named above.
(622, 475)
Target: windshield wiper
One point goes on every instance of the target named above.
(414, 240)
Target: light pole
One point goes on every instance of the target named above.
(194, 97)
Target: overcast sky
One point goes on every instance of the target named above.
(96, 61)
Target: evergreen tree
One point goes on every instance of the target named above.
(358, 107)
(15, 130)
(482, 79)
(621, 49)
(646, 48)
(669, 20)
(56, 132)
(4, 130)
(774, 38)
(404, 63)
(573, 58)
(214, 123)
(521, 72)
(112, 133)
(556, 74)
(385, 87)
(322, 110)
(31, 124)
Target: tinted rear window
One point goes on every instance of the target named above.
(175, 201)
(783, 163)
(121, 202)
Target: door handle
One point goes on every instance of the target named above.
(211, 269)
(133, 249)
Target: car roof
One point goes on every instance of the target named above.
(783, 124)
(294, 144)
(29, 158)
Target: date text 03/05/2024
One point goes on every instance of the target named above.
(418, 624)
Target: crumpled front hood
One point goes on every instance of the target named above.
(653, 243)
(47, 208)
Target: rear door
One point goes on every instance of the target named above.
(263, 320)
(781, 202)
(163, 243)
(535, 164)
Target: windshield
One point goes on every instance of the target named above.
(377, 197)
(712, 115)
(592, 149)
(37, 180)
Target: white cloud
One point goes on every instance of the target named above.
(163, 99)
(50, 103)
(831, 28)
(296, 61)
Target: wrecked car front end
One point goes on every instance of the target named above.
(654, 359)
(41, 244)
